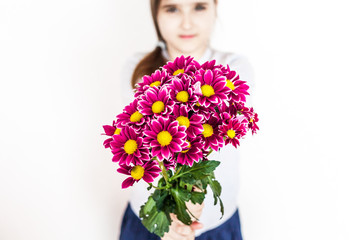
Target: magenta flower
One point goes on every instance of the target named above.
(213, 88)
(110, 131)
(156, 102)
(149, 171)
(157, 79)
(170, 163)
(238, 88)
(180, 114)
(234, 130)
(233, 109)
(206, 112)
(252, 118)
(182, 65)
(193, 152)
(193, 124)
(128, 148)
(131, 116)
(211, 135)
(210, 65)
(165, 137)
(183, 91)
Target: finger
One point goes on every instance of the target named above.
(176, 221)
(196, 189)
(196, 225)
(179, 231)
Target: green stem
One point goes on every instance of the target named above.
(159, 188)
(211, 150)
(163, 170)
(177, 172)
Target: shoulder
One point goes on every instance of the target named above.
(237, 62)
(229, 57)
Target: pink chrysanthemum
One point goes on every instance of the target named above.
(156, 102)
(193, 124)
(238, 88)
(128, 148)
(110, 131)
(148, 172)
(156, 79)
(204, 111)
(210, 135)
(183, 91)
(234, 130)
(165, 137)
(252, 118)
(213, 88)
(233, 109)
(170, 163)
(193, 152)
(182, 65)
(210, 65)
(131, 116)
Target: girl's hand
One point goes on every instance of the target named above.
(180, 231)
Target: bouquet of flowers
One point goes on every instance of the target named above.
(180, 114)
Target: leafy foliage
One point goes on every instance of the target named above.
(171, 195)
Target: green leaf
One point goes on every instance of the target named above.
(188, 178)
(197, 197)
(159, 197)
(155, 221)
(200, 169)
(215, 187)
(221, 208)
(204, 166)
(181, 196)
(187, 183)
(147, 207)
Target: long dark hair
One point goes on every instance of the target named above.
(154, 59)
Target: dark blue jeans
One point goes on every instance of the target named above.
(132, 229)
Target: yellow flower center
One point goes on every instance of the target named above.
(117, 131)
(198, 104)
(208, 130)
(182, 96)
(156, 83)
(207, 90)
(130, 146)
(230, 84)
(178, 72)
(158, 107)
(137, 172)
(164, 138)
(251, 120)
(188, 147)
(231, 133)
(136, 117)
(183, 121)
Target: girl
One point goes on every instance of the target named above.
(184, 28)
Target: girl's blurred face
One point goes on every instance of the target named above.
(186, 25)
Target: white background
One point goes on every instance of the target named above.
(60, 72)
